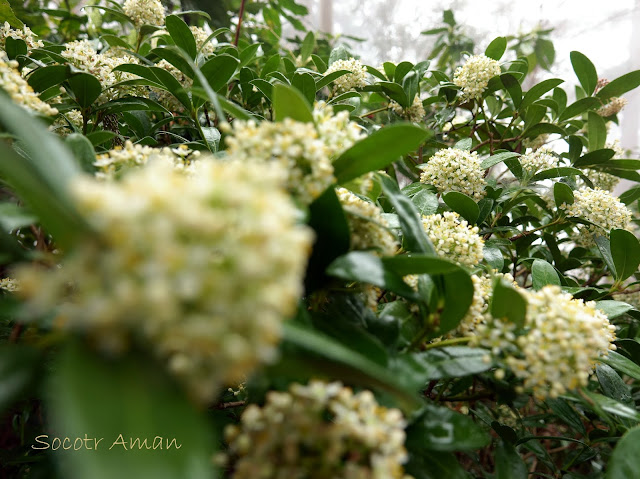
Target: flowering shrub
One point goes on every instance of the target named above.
(226, 255)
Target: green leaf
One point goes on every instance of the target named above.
(498, 158)
(556, 173)
(441, 429)
(134, 400)
(328, 221)
(338, 53)
(463, 205)
(97, 138)
(369, 269)
(306, 85)
(86, 89)
(18, 365)
(625, 460)
(496, 48)
(621, 363)
(630, 195)
(625, 250)
(15, 47)
(415, 238)
(464, 144)
(620, 85)
(415, 263)
(613, 309)
(435, 465)
(13, 216)
(378, 150)
(543, 273)
(7, 15)
(579, 107)
(585, 71)
(543, 128)
(538, 90)
(507, 303)
(306, 49)
(565, 412)
(613, 386)
(326, 79)
(426, 202)
(218, 71)
(370, 373)
(493, 256)
(597, 131)
(509, 464)
(176, 58)
(611, 406)
(47, 77)
(288, 102)
(248, 54)
(82, 150)
(562, 194)
(41, 181)
(448, 362)
(593, 158)
(181, 35)
(513, 88)
(604, 245)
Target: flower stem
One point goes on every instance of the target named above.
(448, 342)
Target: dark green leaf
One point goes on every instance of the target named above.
(47, 77)
(620, 85)
(556, 173)
(448, 362)
(496, 48)
(306, 49)
(219, 70)
(134, 401)
(593, 158)
(564, 411)
(585, 71)
(82, 150)
(7, 15)
(17, 367)
(338, 53)
(181, 35)
(426, 202)
(543, 128)
(463, 205)
(441, 429)
(604, 246)
(15, 47)
(415, 263)
(86, 89)
(306, 85)
(509, 464)
(513, 88)
(625, 250)
(378, 150)
(538, 90)
(174, 57)
(578, 107)
(630, 195)
(493, 256)
(543, 273)
(507, 303)
(562, 194)
(620, 363)
(613, 309)
(625, 460)
(498, 158)
(597, 131)
(326, 79)
(613, 386)
(289, 103)
(369, 269)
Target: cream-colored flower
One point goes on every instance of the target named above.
(319, 430)
(350, 81)
(453, 238)
(538, 160)
(114, 163)
(369, 230)
(455, 170)
(62, 127)
(473, 77)
(558, 346)
(199, 269)
(413, 113)
(297, 146)
(9, 284)
(144, 12)
(336, 131)
(204, 44)
(25, 34)
(599, 207)
(612, 107)
(19, 90)
(537, 142)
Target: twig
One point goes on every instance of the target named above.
(240, 15)
(229, 405)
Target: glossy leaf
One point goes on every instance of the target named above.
(463, 205)
(625, 250)
(86, 89)
(620, 85)
(496, 48)
(181, 35)
(288, 102)
(507, 303)
(542, 274)
(597, 131)
(585, 71)
(447, 362)
(621, 363)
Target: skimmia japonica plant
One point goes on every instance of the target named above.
(229, 254)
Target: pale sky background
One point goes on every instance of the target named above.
(608, 32)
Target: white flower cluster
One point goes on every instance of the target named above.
(321, 430)
(557, 349)
(144, 12)
(350, 81)
(336, 131)
(9, 284)
(539, 160)
(537, 142)
(204, 44)
(83, 56)
(62, 128)
(114, 163)
(453, 238)
(25, 34)
(199, 269)
(599, 207)
(612, 107)
(296, 146)
(473, 77)
(413, 113)
(19, 90)
(369, 230)
(455, 170)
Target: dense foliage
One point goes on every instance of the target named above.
(230, 254)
